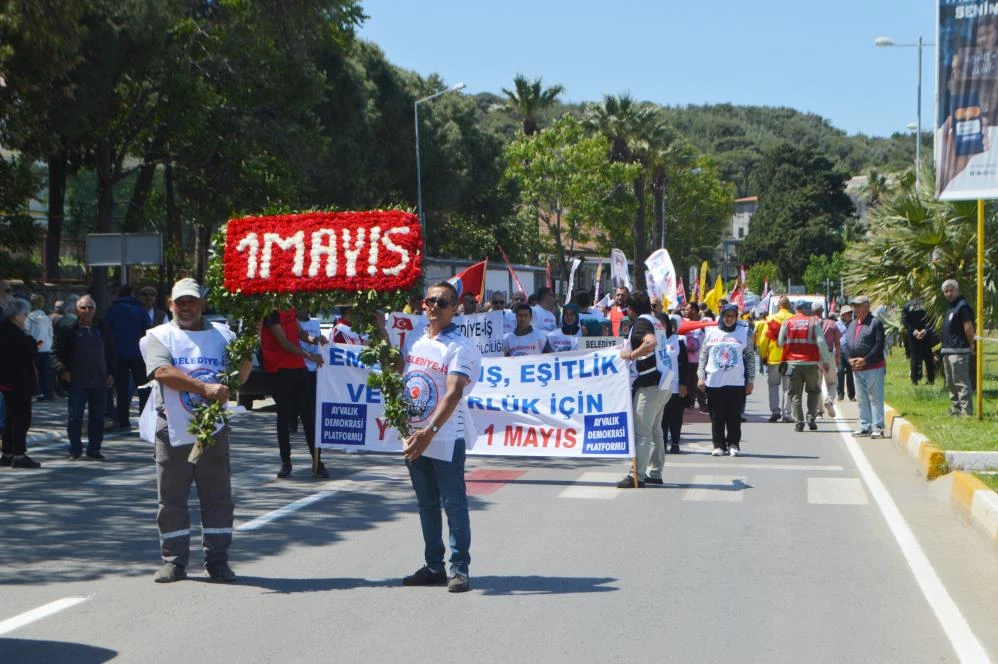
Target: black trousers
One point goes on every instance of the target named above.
(295, 398)
(725, 407)
(920, 353)
(15, 427)
(127, 371)
(672, 419)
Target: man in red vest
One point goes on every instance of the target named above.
(807, 358)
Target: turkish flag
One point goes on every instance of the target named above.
(471, 280)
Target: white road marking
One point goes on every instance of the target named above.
(599, 486)
(31, 616)
(280, 512)
(961, 637)
(724, 464)
(717, 489)
(835, 491)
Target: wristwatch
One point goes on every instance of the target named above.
(434, 428)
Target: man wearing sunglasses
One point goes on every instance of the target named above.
(441, 365)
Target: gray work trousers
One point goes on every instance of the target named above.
(957, 367)
(779, 387)
(805, 377)
(174, 476)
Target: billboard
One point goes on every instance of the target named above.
(966, 100)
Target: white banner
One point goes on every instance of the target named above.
(485, 329)
(601, 343)
(576, 262)
(566, 405)
(663, 274)
(619, 276)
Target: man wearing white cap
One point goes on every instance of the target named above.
(185, 359)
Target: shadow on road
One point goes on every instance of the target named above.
(541, 585)
(53, 652)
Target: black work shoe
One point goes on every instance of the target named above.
(285, 470)
(812, 426)
(424, 576)
(73, 457)
(96, 456)
(628, 483)
(774, 418)
(653, 480)
(799, 427)
(674, 449)
(24, 461)
(6, 459)
(170, 572)
(321, 472)
(459, 583)
(220, 572)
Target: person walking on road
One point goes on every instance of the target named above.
(441, 366)
(17, 383)
(185, 359)
(777, 381)
(833, 342)
(128, 322)
(844, 380)
(807, 358)
(83, 358)
(865, 345)
(958, 347)
(726, 372)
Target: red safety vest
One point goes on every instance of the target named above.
(275, 357)
(798, 346)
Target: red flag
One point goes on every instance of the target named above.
(547, 273)
(512, 272)
(765, 287)
(695, 297)
(681, 292)
(738, 297)
(471, 280)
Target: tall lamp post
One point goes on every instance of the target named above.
(887, 42)
(419, 175)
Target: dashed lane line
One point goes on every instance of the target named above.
(33, 615)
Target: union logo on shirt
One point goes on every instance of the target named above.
(725, 356)
(421, 395)
(191, 401)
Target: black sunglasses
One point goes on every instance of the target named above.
(498, 302)
(441, 302)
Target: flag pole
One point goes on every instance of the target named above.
(980, 309)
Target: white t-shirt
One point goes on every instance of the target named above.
(531, 343)
(428, 362)
(559, 341)
(508, 321)
(543, 319)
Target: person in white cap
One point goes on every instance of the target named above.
(185, 359)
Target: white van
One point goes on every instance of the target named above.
(815, 300)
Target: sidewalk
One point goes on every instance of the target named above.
(48, 424)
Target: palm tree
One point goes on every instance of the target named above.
(529, 99)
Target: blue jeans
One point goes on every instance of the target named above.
(870, 394)
(438, 481)
(93, 399)
(44, 364)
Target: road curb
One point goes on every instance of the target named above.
(969, 496)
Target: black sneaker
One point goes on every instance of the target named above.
(812, 426)
(74, 457)
(424, 576)
(220, 572)
(774, 418)
(170, 572)
(654, 480)
(321, 472)
(459, 583)
(799, 427)
(24, 461)
(6, 459)
(96, 456)
(285, 470)
(628, 483)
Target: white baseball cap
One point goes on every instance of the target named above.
(186, 287)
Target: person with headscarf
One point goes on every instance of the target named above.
(566, 337)
(725, 373)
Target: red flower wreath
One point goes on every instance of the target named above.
(322, 251)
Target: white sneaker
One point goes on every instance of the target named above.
(734, 451)
(717, 452)
(830, 409)
(877, 433)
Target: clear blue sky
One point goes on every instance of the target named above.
(811, 56)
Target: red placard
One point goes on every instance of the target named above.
(323, 251)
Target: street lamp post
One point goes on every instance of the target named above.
(419, 175)
(887, 42)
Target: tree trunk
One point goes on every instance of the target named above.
(105, 210)
(143, 183)
(172, 235)
(58, 170)
(640, 233)
(658, 207)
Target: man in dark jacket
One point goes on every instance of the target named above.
(919, 338)
(865, 336)
(17, 383)
(83, 356)
(958, 346)
(128, 322)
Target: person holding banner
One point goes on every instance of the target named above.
(441, 366)
(545, 311)
(726, 373)
(566, 337)
(183, 360)
(524, 339)
(649, 369)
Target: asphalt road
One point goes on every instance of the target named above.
(786, 554)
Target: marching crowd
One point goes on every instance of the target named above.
(687, 358)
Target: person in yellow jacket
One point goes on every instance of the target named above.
(767, 337)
